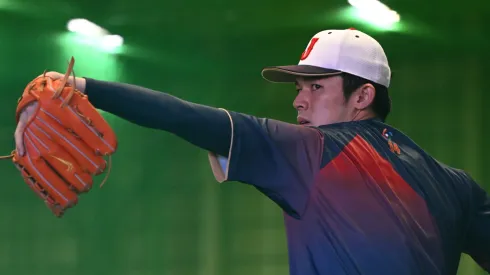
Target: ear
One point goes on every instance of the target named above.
(364, 96)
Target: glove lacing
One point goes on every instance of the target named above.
(57, 94)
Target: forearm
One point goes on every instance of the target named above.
(206, 127)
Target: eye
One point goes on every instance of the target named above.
(315, 87)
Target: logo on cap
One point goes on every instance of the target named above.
(307, 52)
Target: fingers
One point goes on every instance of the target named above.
(54, 75)
(79, 82)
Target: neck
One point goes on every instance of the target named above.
(362, 115)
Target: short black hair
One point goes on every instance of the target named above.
(381, 105)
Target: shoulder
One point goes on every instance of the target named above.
(338, 137)
(344, 132)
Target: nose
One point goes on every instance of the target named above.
(300, 103)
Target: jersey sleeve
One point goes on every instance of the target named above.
(279, 159)
(477, 241)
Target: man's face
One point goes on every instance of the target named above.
(321, 101)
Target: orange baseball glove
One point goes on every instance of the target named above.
(66, 142)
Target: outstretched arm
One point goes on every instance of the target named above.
(278, 158)
(206, 127)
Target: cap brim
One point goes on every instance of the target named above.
(287, 74)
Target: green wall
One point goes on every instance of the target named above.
(161, 212)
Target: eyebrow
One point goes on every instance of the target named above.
(314, 78)
(309, 79)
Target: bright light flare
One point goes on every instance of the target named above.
(93, 34)
(112, 41)
(375, 12)
(86, 28)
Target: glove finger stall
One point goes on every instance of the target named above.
(60, 160)
(83, 119)
(76, 147)
(45, 178)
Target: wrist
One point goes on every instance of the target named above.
(81, 84)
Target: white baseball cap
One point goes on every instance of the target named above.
(332, 52)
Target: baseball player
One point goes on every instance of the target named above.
(358, 196)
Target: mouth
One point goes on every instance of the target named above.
(302, 121)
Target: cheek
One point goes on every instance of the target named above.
(328, 106)
(328, 102)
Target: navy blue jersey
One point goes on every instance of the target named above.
(359, 197)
